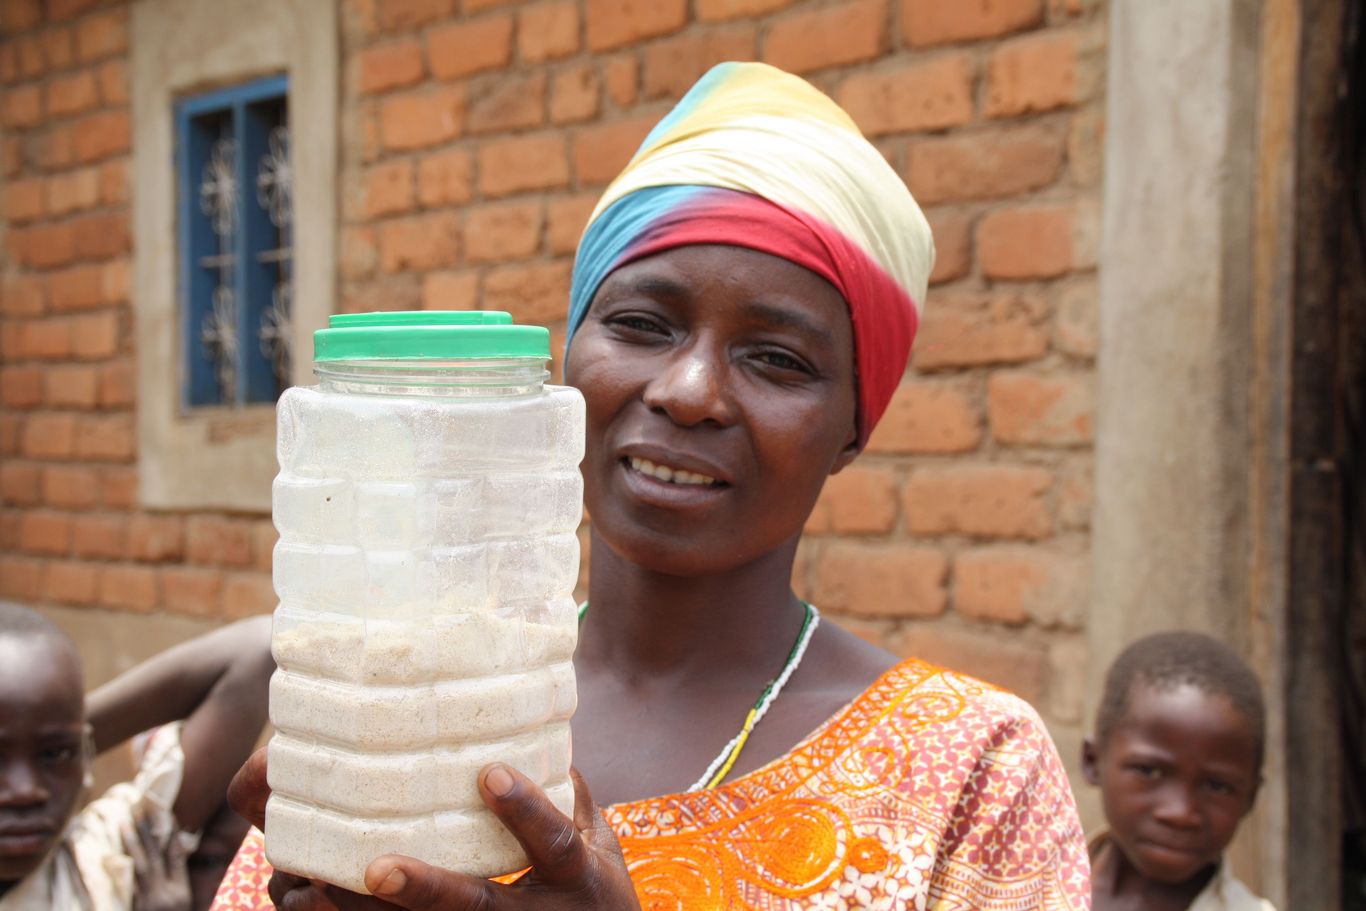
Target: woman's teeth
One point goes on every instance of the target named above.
(670, 475)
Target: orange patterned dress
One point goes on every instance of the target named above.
(931, 790)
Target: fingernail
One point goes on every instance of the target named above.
(499, 781)
(393, 883)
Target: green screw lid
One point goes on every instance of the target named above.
(412, 335)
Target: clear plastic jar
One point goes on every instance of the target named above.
(427, 504)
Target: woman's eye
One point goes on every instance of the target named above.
(637, 323)
(782, 361)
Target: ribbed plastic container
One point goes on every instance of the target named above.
(427, 504)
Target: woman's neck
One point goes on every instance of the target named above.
(644, 624)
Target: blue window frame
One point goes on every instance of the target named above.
(236, 245)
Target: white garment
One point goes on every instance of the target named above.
(90, 869)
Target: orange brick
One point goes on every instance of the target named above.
(503, 231)
(928, 417)
(390, 66)
(9, 62)
(548, 31)
(712, 10)
(191, 591)
(45, 533)
(831, 36)
(400, 15)
(360, 252)
(983, 165)
(99, 536)
(118, 384)
(674, 64)
(1033, 73)
(985, 501)
(617, 23)
(113, 182)
(49, 436)
(450, 291)
(1018, 584)
(23, 296)
(156, 539)
(19, 484)
(102, 35)
(101, 236)
(521, 163)
(45, 338)
(131, 588)
(106, 438)
(247, 595)
(76, 288)
(394, 292)
(1076, 497)
(566, 218)
(11, 430)
(21, 578)
(21, 387)
(214, 541)
(471, 46)
(1005, 659)
(475, 6)
(535, 293)
(25, 200)
(22, 106)
(95, 336)
(445, 179)
(1039, 410)
(419, 120)
(65, 582)
(968, 329)
(74, 190)
(264, 538)
(101, 135)
(928, 22)
(881, 580)
(952, 246)
(600, 152)
(20, 15)
(67, 95)
(859, 500)
(113, 79)
(59, 47)
(1026, 243)
(575, 94)
(72, 386)
(70, 487)
(116, 279)
(508, 103)
(119, 487)
(621, 77)
(390, 188)
(54, 148)
(930, 95)
(419, 243)
(11, 154)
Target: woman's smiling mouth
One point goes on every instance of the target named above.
(671, 475)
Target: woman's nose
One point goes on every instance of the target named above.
(693, 388)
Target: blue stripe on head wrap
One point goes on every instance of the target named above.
(609, 238)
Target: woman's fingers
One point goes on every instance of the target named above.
(416, 886)
(552, 841)
(294, 893)
(248, 790)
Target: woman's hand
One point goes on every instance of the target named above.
(574, 863)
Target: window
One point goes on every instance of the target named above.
(235, 225)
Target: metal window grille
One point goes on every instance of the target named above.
(236, 243)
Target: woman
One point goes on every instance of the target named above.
(743, 305)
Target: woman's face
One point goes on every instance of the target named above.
(720, 391)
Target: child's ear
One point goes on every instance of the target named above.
(1090, 762)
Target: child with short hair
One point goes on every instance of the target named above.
(129, 849)
(1177, 754)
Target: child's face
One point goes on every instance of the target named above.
(41, 758)
(1177, 775)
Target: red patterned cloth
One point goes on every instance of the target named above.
(931, 790)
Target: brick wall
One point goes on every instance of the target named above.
(476, 136)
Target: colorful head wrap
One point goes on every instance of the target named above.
(754, 157)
